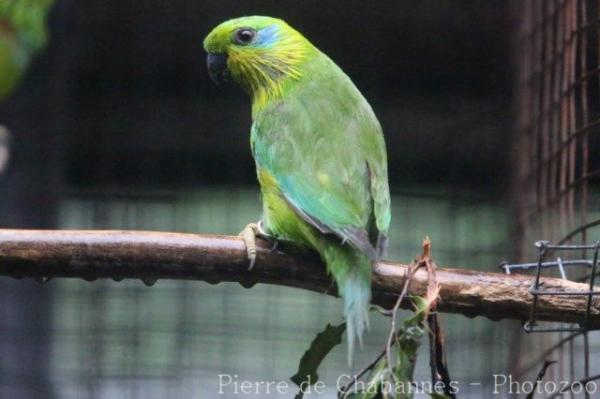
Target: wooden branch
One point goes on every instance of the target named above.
(152, 255)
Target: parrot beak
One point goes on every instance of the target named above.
(217, 67)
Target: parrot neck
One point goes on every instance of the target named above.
(268, 73)
(273, 84)
(262, 96)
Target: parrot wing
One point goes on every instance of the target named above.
(329, 215)
(379, 189)
(323, 146)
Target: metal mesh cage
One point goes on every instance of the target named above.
(557, 64)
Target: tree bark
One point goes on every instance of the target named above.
(150, 256)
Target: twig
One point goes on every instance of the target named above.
(540, 377)
(413, 267)
(437, 359)
(437, 354)
(432, 293)
(343, 392)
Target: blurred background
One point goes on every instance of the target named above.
(116, 125)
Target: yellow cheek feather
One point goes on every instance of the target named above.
(264, 72)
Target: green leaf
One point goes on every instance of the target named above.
(323, 343)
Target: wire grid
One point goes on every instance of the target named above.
(537, 290)
(556, 65)
(558, 69)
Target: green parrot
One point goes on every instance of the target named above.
(23, 33)
(319, 150)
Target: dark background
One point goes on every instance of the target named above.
(123, 96)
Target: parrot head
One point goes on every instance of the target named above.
(259, 53)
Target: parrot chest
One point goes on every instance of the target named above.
(278, 216)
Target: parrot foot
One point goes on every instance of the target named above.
(249, 234)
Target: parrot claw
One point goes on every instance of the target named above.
(249, 234)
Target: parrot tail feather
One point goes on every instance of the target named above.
(351, 270)
(356, 293)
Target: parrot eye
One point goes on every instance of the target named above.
(244, 35)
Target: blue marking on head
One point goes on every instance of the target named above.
(267, 36)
